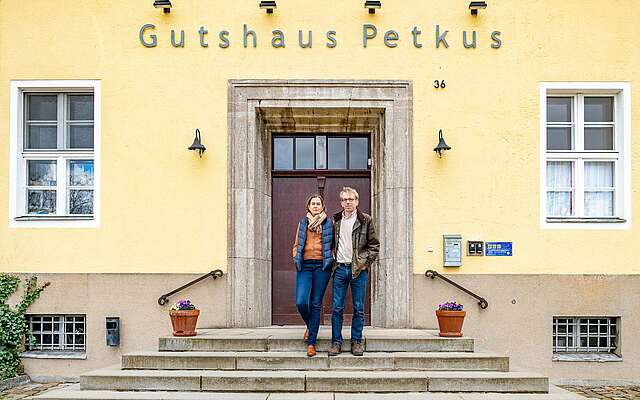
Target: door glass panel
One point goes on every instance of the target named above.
(337, 153)
(283, 153)
(321, 152)
(358, 153)
(305, 154)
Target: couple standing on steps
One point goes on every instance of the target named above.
(345, 247)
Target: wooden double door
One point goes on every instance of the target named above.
(291, 188)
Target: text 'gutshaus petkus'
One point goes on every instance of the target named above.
(149, 36)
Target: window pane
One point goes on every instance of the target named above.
(598, 138)
(559, 174)
(598, 109)
(81, 173)
(41, 137)
(559, 109)
(283, 153)
(598, 174)
(305, 153)
(559, 138)
(41, 173)
(43, 107)
(559, 204)
(358, 153)
(598, 204)
(81, 107)
(81, 136)
(337, 153)
(41, 201)
(321, 152)
(80, 201)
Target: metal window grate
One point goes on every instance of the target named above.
(57, 332)
(584, 335)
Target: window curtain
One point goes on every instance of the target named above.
(598, 186)
(560, 193)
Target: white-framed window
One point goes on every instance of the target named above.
(585, 170)
(56, 333)
(55, 154)
(586, 338)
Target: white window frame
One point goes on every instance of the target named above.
(18, 218)
(621, 91)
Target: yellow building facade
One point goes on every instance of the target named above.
(536, 100)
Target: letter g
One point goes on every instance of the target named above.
(154, 39)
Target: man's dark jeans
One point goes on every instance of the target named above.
(341, 280)
(311, 283)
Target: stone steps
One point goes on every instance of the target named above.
(74, 393)
(444, 361)
(314, 381)
(290, 339)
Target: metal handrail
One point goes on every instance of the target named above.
(483, 303)
(215, 274)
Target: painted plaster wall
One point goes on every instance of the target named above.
(164, 209)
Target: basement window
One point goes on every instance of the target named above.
(586, 339)
(57, 336)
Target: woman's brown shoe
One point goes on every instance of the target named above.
(311, 350)
(306, 335)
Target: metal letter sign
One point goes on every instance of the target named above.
(499, 248)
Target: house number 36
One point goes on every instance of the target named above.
(439, 84)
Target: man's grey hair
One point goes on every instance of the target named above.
(351, 190)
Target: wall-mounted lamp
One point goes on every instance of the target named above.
(164, 4)
(197, 144)
(474, 6)
(268, 5)
(372, 5)
(442, 145)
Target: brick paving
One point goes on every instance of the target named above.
(29, 390)
(606, 392)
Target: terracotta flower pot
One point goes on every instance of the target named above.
(450, 322)
(184, 322)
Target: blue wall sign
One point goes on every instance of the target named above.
(499, 248)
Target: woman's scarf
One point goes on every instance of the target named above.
(315, 222)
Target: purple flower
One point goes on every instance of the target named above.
(450, 306)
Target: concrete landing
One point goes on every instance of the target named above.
(290, 339)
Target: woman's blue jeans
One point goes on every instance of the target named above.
(311, 283)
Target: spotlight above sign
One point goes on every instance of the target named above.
(372, 5)
(164, 4)
(474, 6)
(268, 5)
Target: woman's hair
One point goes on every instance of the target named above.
(313, 196)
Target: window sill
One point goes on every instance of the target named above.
(55, 218)
(586, 357)
(69, 355)
(564, 220)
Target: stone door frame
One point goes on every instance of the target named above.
(259, 107)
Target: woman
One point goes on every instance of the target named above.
(313, 257)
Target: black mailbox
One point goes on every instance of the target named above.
(113, 331)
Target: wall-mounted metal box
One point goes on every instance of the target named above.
(452, 250)
(113, 331)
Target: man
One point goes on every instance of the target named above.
(357, 247)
